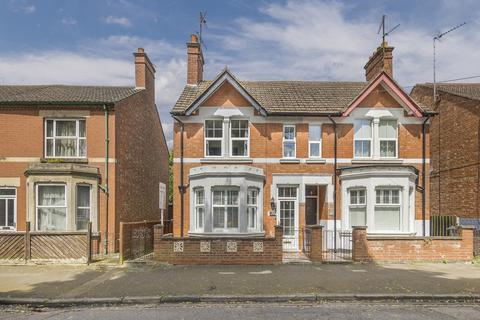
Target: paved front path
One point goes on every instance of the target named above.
(256, 311)
(96, 281)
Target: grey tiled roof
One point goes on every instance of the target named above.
(466, 90)
(58, 94)
(286, 97)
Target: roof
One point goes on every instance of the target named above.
(466, 90)
(63, 94)
(285, 97)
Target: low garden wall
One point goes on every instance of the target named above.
(313, 242)
(218, 250)
(406, 249)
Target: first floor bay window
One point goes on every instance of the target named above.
(357, 207)
(225, 209)
(51, 207)
(213, 138)
(65, 138)
(387, 209)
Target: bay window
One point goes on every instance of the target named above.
(289, 147)
(387, 133)
(315, 141)
(357, 208)
(199, 209)
(239, 138)
(387, 209)
(363, 138)
(51, 207)
(252, 207)
(225, 209)
(8, 207)
(213, 138)
(65, 138)
(82, 215)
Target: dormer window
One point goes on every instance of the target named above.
(65, 138)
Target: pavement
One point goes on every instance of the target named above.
(101, 284)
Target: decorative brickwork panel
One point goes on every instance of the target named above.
(178, 246)
(205, 246)
(231, 246)
(258, 246)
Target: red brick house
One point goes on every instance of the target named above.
(249, 155)
(455, 149)
(74, 154)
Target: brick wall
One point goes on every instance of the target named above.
(405, 249)
(315, 241)
(220, 250)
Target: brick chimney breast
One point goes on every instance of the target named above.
(380, 60)
(194, 61)
(144, 72)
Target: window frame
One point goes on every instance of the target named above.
(55, 137)
(356, 205)
(37, 198)
(388, 139)
(371, 139)
(205, 138)
(83, 208)
(389, 205)
(14, 198)
(294, 140)
(225, 206)
(197, 206)
(231, 138)
(315, 141)
(253, 206)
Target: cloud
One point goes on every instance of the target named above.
(69, 21)
(27, 9)
(117, 20)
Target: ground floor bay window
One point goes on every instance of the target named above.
(226, 200)
(380, 198)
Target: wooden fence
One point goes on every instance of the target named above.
(136, 239)
(36, 246)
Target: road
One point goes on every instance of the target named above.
(390, 311)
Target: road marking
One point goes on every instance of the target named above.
(318, 268)
(226, 273)
(359, 270)
(261, 272)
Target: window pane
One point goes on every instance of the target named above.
(239, 128)
(199, 196)
(314, 149)
(66, 128)
(358, 217)
(387, 218)
(51, 196)
(49, 128)
(395, 196)
(65, 147)
(218, 217)
(232, 217)
(81, 126)
(314, 133)
(82, 219)
(49, 148)
(353, 197)
(239, 148)
(52, 219)
(83, 196)
(252, 217)
(388, 148)
(289, 133)
(7, 192)
(252, 196)
(82, 147)
(362, 148)
(387, 129)
(287, 192)
(232, 197)
(3, 212)
(200, 217)
(289, 149)
(10, 212)
(214, 128)
(311, 190)
(214, 147)
(363, 129)
(218, 198)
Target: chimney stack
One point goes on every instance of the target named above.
(195, 61)
(380, 60)
(144, 72)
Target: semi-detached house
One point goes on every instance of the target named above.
(249, 155)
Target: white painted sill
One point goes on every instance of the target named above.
(226, 160)
(378, 161)
(227, 235)
(289, 160)
(316, 160)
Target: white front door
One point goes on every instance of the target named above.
(288, 217)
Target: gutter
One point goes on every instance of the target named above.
(181, 186)
(334, 183)
(105, 187)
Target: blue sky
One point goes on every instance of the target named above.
(91, 42)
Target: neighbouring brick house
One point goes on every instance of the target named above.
(74, 154)
(249, 155)
(455, 149)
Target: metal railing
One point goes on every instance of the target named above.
(442, 225)
(307, 240)
(337, 245)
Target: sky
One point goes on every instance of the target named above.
(90, 42)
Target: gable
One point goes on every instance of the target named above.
(226, 96)
(379, 92)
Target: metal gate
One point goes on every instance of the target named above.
(337, 245)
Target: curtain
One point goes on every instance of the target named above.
(51, 216)
(387, 218)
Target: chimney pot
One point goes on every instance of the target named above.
(380, 60)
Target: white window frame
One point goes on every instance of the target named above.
(82, 208)
(357, 205)
(14, 198)
(253, 206)
(294, 140)
(391, 205)
(363, 139)
(37, 198)
(225, 206)
(388, 139)
(55, 137)
(319, 142)
(205, 138)
(247, 138)
(197, 206)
